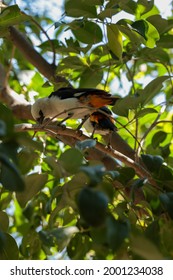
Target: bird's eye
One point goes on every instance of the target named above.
(41, 118)
(41, 113)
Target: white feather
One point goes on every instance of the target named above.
(53, 106)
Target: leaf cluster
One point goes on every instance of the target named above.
(54, 197)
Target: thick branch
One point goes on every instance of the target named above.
(56, 131)
(117, 143)
(33, 56)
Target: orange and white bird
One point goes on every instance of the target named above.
(71, 103)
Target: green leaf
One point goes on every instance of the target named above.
(33, 184)
(71, 160)
(75, 8)
(141, 27)
(134, 37)
(57, 170)
(147, 31)
(93, 206)
(108, 13)
(31, 244)
(123, 105)
(166, 41)
(161, 24)
(167, 202)
(87, 32)
(156, 54)
(115, 43)
(153, 163)
(90, 78)
(8, 247)
(26, 165)
(117, 231)
(6, 117)
(95, 173)
(79, 246)
(165, 174)
(93, 2)
(63, 235)
(3, 129)
(4, 221)
(126, 174)
(144, 6)
(152, 89)
(144, 248)
(11, 16)
(146, 111)
(158, 138)
(9, 175)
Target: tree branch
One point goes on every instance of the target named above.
(55, 131)
(34, 57)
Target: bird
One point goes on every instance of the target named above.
(73, 103)
(100, 122)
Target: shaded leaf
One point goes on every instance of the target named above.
(8, 247)
(95, 173)
(7, 117)
(152, 89)
(71, 160)
(144, 248)
(167, 202)
(87, 32)
(33, 184)
(117, 231)
(153, 163)
(77, 8)
(10, 176)
(90, 78)
(166, 41)
(26, 165)
(4, 221)
(115, 43)
(158, 138)
(79, 246)
(3, 129)
(63, 235)
(146, 111)
(93, 206)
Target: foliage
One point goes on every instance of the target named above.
(55, 200)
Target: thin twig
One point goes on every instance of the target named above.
(56, 130)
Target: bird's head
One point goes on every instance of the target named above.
(40, 110)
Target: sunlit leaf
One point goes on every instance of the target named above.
(152, 89)
(87, 32)
(148, 31)
(115, 42)
(11, 16)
